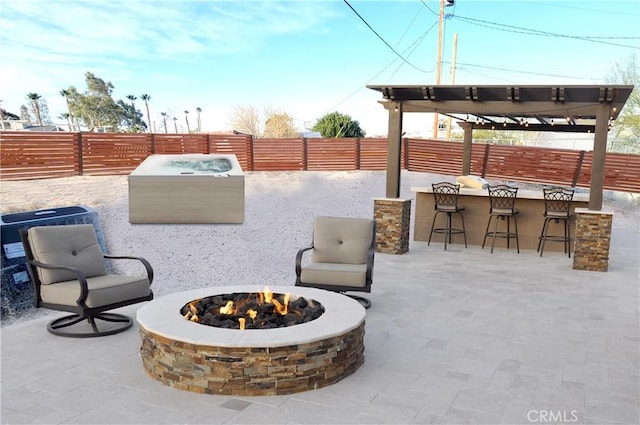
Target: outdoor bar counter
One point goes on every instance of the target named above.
(529, 203)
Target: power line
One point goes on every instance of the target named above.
(516, 70)
(383, 40)
(529, 31)
(563, 5)
(412, 46)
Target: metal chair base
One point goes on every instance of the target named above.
(544, 237)
(62, 325)
(447, 231)
(508, 235)
(365, 302)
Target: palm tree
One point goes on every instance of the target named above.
(35, 98)
(66, 93)
(66, 116)
(132, 98)
(175, 124)
(164, 121)
(199, 109)
(146, 99)
(186, 118)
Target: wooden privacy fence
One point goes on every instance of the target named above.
(31, 155)
(520, 163)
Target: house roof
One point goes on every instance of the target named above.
(511, 107)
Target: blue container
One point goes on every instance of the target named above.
(16, 286)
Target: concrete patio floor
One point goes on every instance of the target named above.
(456, 336)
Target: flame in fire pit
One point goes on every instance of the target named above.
(262, 310)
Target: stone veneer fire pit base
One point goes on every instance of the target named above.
(253, 362)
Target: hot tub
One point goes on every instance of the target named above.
(192, 188)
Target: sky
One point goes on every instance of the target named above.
(305, 58)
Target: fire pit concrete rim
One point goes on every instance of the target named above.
(162, 317)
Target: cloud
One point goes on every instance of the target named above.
(55, 42)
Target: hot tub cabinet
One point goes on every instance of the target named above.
(193, 188)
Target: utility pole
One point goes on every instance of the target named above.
(452, 75)
(438, 63)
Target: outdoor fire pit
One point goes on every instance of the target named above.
(252, 310)
(181, 350)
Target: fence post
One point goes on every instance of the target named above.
(358, 150)
(252, 141)
(305, 154)
(153, 143)
(405, 157)
(80, 155)
(485, 160)
(576, 175)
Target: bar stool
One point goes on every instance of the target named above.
(502, 200)
(445, 196)
(557, 206)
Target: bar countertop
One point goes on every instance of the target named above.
(522, 193)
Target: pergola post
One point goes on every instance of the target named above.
(392, 214)
(466, 154)
(394, 149)
(599, 156)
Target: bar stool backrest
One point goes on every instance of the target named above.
(445, 196)
(502, 199)
(557, 200)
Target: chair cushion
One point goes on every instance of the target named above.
(103, 290)
(342, 240)
(504, 211)
(354, 275)
(73, 245)
(474, 182)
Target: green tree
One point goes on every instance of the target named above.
(95, 107)
(625, 132)
(131, 118)
(146, 98)
(336, 125)
(497, 137)
(35, 99)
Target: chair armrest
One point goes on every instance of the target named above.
(144, 262)
(370, 257)
(82, 279)
(299, 261)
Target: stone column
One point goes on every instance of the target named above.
(592, 240)
(393, 219)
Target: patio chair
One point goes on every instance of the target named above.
(445, 197)
(342, 256)
(502, 201)
(557, 207)
(68, 272)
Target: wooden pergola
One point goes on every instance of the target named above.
(581, 109)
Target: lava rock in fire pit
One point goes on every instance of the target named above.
(244, 310)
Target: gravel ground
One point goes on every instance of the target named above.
(279, 210)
